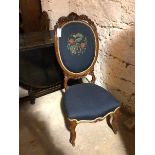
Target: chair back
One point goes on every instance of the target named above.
(76, 45)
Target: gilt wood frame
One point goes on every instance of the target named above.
(73, 17)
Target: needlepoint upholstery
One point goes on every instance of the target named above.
(88, 101)
(77, 46)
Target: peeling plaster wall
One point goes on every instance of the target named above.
(114, 20)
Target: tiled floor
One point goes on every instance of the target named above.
(43, 132)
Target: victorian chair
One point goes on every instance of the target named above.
(76, 47)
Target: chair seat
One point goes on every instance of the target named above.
(88, 101)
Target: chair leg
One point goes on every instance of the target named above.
(108, 118)
(113, 124)
(72, 126)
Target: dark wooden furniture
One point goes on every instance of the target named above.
(76, 47)
(39, 71)
(31, 15)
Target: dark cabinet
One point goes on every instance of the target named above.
(39, 71)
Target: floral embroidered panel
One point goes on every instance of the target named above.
(77, 43)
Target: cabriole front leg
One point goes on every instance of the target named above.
(72, 126)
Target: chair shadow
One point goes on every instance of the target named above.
(127, 136)
(122, 50)
(38, 129)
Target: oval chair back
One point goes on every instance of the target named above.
(76, 45)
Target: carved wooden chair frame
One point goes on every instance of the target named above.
(72, 123)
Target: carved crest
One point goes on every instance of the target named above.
(74, 17)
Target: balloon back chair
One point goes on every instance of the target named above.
(76, 47)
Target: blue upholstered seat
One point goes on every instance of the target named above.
(88, 101)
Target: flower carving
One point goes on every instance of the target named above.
(77, 43)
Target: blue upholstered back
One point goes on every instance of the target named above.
(77, 46)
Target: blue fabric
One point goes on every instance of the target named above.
(88, 101)
(74, 62)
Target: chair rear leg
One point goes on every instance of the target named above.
(113, 124)
(72, 126)
(108, 118)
